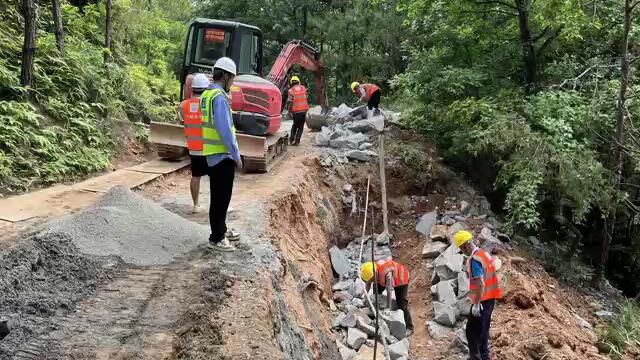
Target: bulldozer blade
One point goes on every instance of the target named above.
(169, 140)
(261, 153)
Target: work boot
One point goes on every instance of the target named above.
(196, 209)
(232, 235)
(222, 246)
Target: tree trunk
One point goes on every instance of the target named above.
(528, 49)
(57, 20)
(107, 32)
(616, 162)
(29, 45)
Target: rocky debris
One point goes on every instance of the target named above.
(399, 350)
(345, 352)
(439, 233)
(437, 331)
(342, 296)
(137, 230)
(360, 155)
(605, 315)
(433, 249)
(337, 321)
(343, 285)
(489, 242)
(464, 207)
(444, 314)
(395, 322)
(463, 284)
(445, 292)
(582, 322)
(339, 261)
(355, 338)
(426, 223)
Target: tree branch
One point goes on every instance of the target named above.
(542, 34)
(490, 11)
(549, 40)
(495, 2)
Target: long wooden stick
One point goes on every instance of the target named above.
(364, 223)
(383, 184)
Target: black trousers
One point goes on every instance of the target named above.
(221, 186)
(298, 126)
(478, 332)
(374, 100)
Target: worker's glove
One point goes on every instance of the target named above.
(476, 310)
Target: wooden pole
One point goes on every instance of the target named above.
(383, 184)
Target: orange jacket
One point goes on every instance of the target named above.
(399, 272)
(492, 288)
(298, 99)
(192, 119)
(368, 89)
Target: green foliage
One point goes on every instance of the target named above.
(67, 132)
(623, 334)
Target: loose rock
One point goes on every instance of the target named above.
(396, 324)
(343, 285)
(446, 294)
(426, 222)
(432, 249)
(339, 261)
(399, 349)
(438, 233)
(345, 352)
(437, 331)
(355, 338)
(444, 314)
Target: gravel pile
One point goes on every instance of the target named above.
(133, 228)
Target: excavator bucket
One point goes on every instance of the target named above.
(259, 153)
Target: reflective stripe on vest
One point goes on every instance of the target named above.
(299, 95)
(370, 89)
(492, 288)
(212, 143)
(399, 272)
(192, 119)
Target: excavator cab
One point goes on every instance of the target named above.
(208, 40)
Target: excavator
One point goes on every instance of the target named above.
(256, 101)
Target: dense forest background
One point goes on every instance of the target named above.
(533, 100)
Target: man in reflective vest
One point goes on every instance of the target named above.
(189, 112)
(220, 148)
(393, 277)
(368, 93)
(298, 106)
(484, 290)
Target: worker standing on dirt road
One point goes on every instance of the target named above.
(189, 112)
(393, 277)
(298, 105)
(221, 150)
(484, 290)
(368, 93)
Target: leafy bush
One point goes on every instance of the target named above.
(623, 334)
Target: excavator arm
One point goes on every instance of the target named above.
(296, 52)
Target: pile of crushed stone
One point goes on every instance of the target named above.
(40, 278)
(128, 226)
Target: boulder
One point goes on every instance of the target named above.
(366, 353)
(377, 122)
(343, 285)
(464, 207)
(399, 349)
(438, 233)
(605, 315)
(432, 249)
(339, 262)
(489, 242)
(426, 222)
(352, 318)
(360, 155)
(461, 340)
(444, 314)
(359, 289)
(339, 143)
(358, 302)
(365, 146)
(354, 141)
(339, 319)
(322, 139)
(437, 331)
(395, 321)
(345, 352)
(361, 126)
(355, 338)
(463, 306)
(463, 283)
(342, 296)
(445, 292)
(370, 330)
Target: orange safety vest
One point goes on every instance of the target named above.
(399, 272)
(298, 94)
(492, 288)
(192, 117)
(370, 89)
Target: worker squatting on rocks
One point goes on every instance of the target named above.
(189, 113)
(393, 277)
(368, 93)
(484, 290)
(221, 150)
(297, 105)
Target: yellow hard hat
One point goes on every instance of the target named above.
(294, 78)
(366, 271)
(461, 238)
(354, 85)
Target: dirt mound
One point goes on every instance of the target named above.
(42, 277)
(133, 228)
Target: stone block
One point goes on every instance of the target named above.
(444, 314)
(437, 331)
(395, 322)
(355, 338)
(426, 222)
(399, 349)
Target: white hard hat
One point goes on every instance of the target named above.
(226, 64)
(200, 81)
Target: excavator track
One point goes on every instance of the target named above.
(259, 153)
